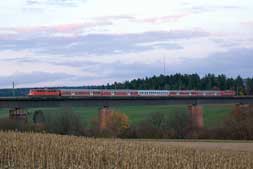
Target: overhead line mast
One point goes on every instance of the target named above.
(13, 88)
(164, 66)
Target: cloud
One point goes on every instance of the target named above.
(158, 19)
(125, 71)
(100, 44)
(87, 25)
(115, 18)
(54, 2)
(226, 43)
(163, 19)
(247, 23)
(144, 20)
(197, 9)
(232, 63)
(70, 28)
(236, 61)
(22, 79)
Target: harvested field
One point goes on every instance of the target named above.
(28, 150)
(229, 145)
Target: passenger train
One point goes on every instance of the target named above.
(129, 93)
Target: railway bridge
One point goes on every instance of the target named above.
(105, 102)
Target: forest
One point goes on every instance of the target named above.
(189, 82)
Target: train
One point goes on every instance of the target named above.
(129, 93)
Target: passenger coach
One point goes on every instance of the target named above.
(127, 93)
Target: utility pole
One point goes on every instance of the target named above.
(164, 66)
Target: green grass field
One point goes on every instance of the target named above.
(3, 113)
(213, 114)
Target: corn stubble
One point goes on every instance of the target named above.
(40, 151)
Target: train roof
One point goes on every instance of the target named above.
(127, 90)
(76, 90)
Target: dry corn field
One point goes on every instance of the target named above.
(29, 150)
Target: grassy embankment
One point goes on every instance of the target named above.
(213, 114)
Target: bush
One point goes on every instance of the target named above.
(38, 117)
(19, 125)
(239, 124)
(160, 125)
(116, 123)
(65, 122)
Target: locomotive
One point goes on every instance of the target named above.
(129, 93)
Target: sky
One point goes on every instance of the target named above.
(47, 43)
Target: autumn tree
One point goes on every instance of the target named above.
(116, 123)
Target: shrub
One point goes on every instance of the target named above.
(10, 124)
(239, 124)
(160, 125)
(117, 122)
(64, 122)
(38, 117)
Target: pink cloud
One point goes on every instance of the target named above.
(115, 18)
(69, 28)
(151, 20)
(61, 28)
(6, 34)
(74, 29)
(163, 19)
(41, 29)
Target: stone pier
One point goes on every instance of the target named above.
(103, 114)
(196, 116)
(240, 108)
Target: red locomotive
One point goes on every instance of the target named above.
(44, 92)
(127, 93)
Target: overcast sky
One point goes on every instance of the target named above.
(91, 42)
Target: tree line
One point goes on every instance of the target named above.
(188, 82)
